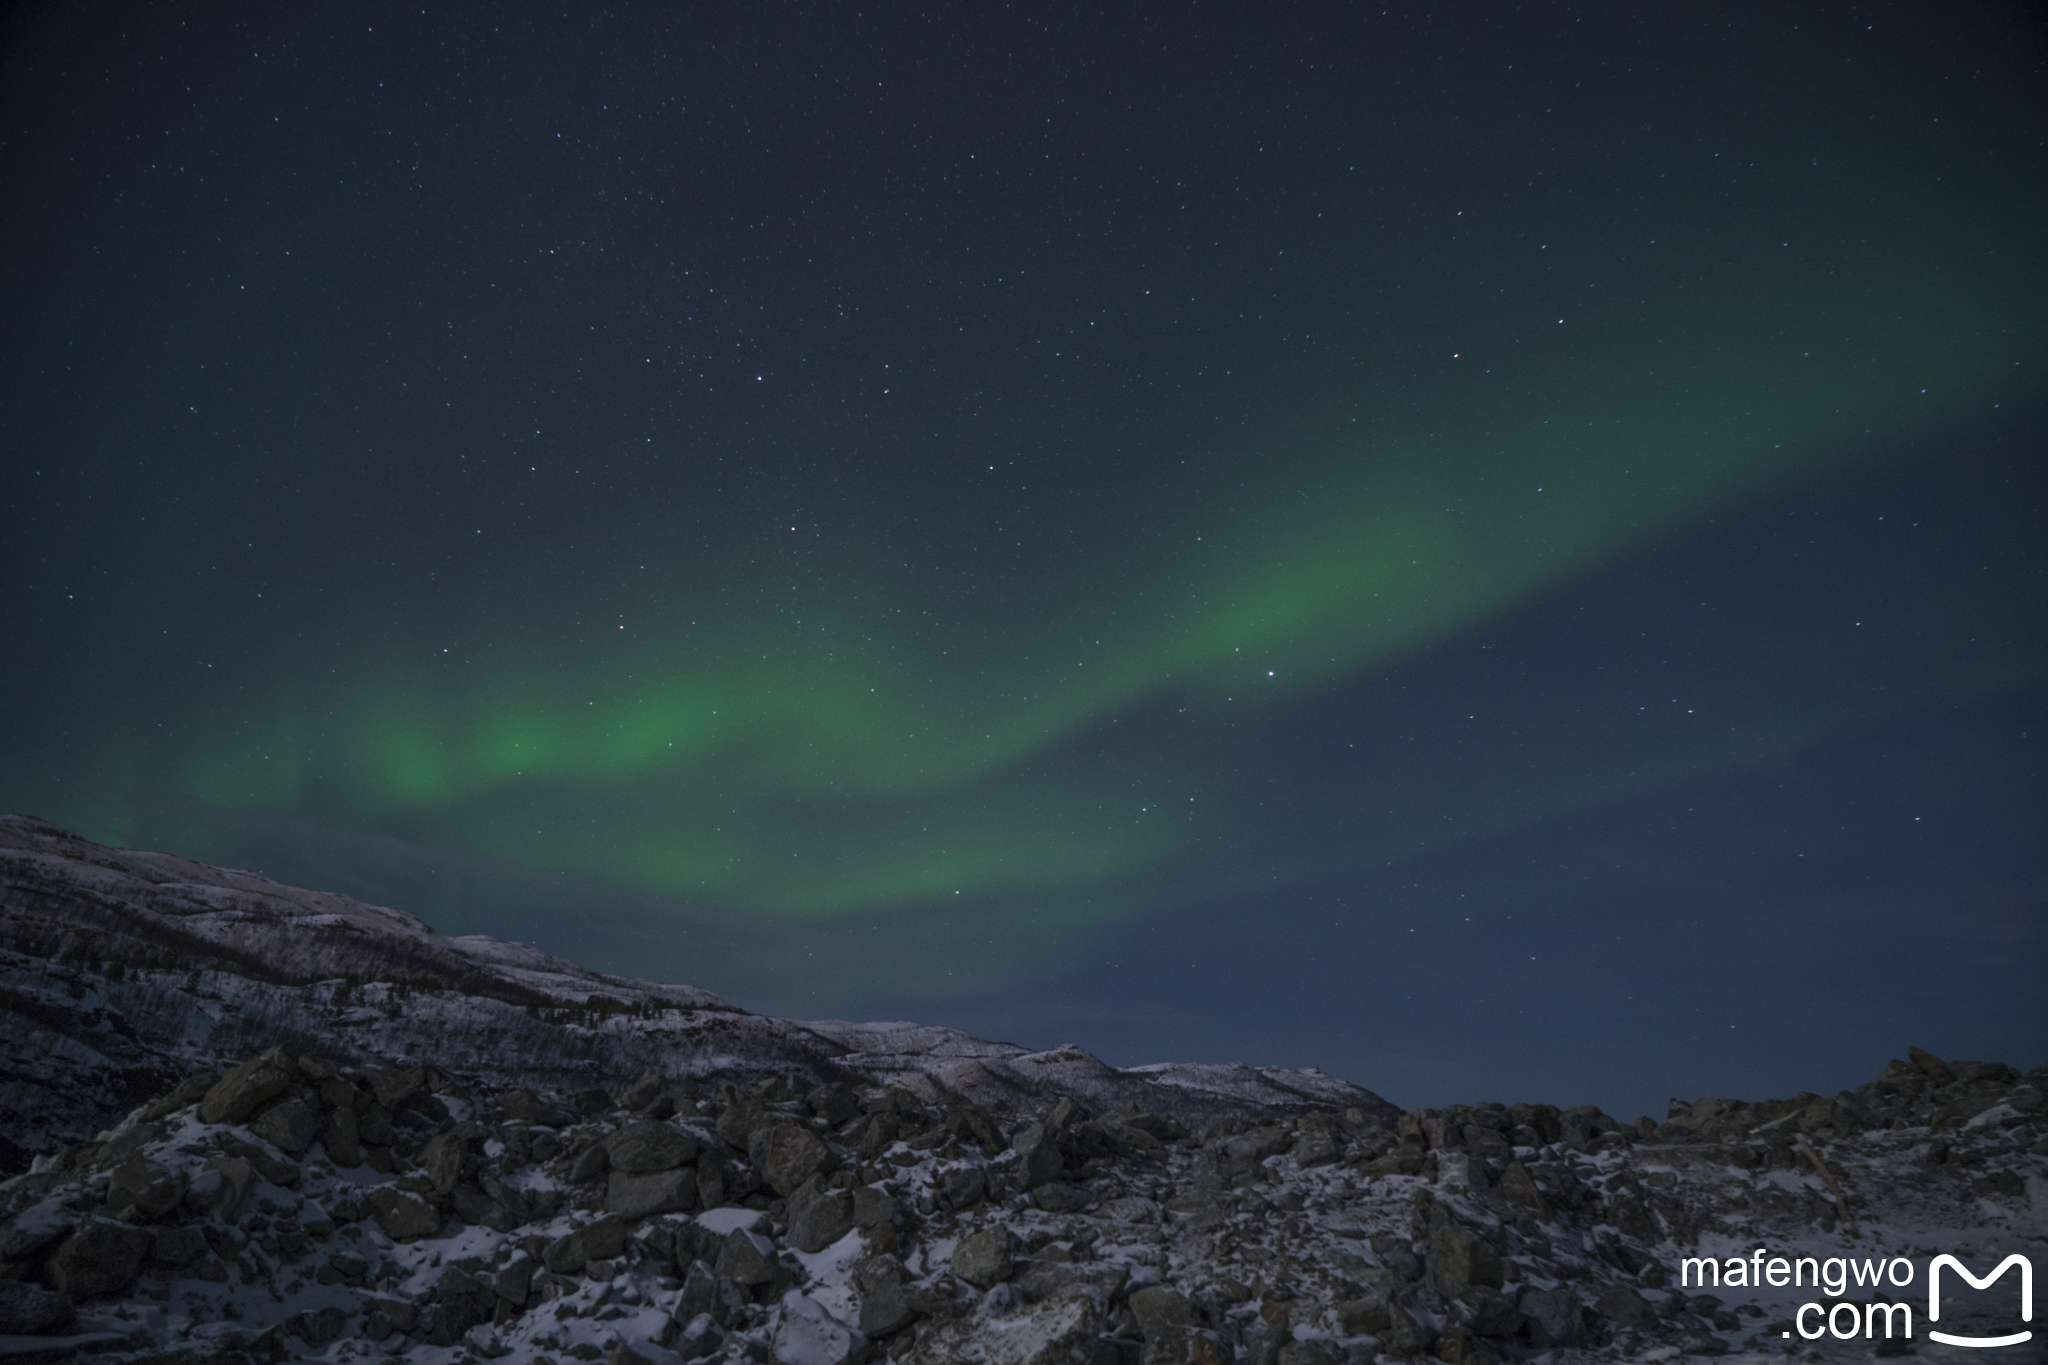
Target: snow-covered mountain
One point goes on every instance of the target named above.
(123, 972)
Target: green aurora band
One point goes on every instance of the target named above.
(873, 748)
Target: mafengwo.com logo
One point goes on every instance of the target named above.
(1837, 1276)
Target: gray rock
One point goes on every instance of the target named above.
(441, 1159)
(788, 1155)
(595, 1241)
(1040, 1150)
(700, 1339)
(99, 1258)
(1490, 1312)
(808, 1335)
(746, 1257)
(524, 1106)
(343, 1141)
(35, 1227)
(1554, 1317)
(983, 1258)
(403, 1217)
(149, 1189)
(1364, 1316)
(962, 1187)
(818, 1215)
(1458, 1257)
(589, 1164)
(710, 1181)
(646, 1147)
(1060, 1197)
(700, 1292)
(872, 1206)
(175, 1245)
(742, 1116)
(236, 1095)
(1624, 1307)
(30, 1310)
(1063, 1328)
(884, 1304)
(476, 1207)
(1159, 1308)
(1520, 1188)
(641, 1196)
(318, 1327)
(289, 1126)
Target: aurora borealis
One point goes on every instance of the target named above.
(913, 517)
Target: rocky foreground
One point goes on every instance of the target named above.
(383, 1174)
(299, 1207)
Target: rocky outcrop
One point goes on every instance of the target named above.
(122, 972)
(521, 1224)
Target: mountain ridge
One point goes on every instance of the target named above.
(123, 970)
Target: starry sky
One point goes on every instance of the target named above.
(1498, 555)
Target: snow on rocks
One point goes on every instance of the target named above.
(468, 1230)
(429, 1173)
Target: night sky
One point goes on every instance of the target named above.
(1497, 554)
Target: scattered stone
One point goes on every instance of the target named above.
(983, 1258)
(30, 1310)
(746, 1257)
(647, 1147)
(101, 1257)
(808, 1335)
(642, 1196)
(403, 1217)
(289, 1126)
(819, 1215)
(788, 1155)
(236, 1095)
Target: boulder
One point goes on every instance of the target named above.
(236, 1095)
(403, 1217)
(872, 1206)
(962, 1187)
(30, 1310)
(1624, 1307)
(1064, 1327)
(746, 1258)
(176, 1245)
(742, 1116)
(600, 1240)
(1039, 1149)
(441, 1159)
(808, 1335)
(101, 1257)
(983, 1258)
(1160, 1309)
(150, 1190)
(1458, 1257)
(884, 1304)
(787, 1154)
(1552, 1317)
(289, 1126)
(590, 1163)
(642, 1196)
(647, 1147)
(523, 1106)
(1364, 1316)
(1520, 1188)
(1060, 1196)
(342, 1139)
(35, 1227)
(818, 1215)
